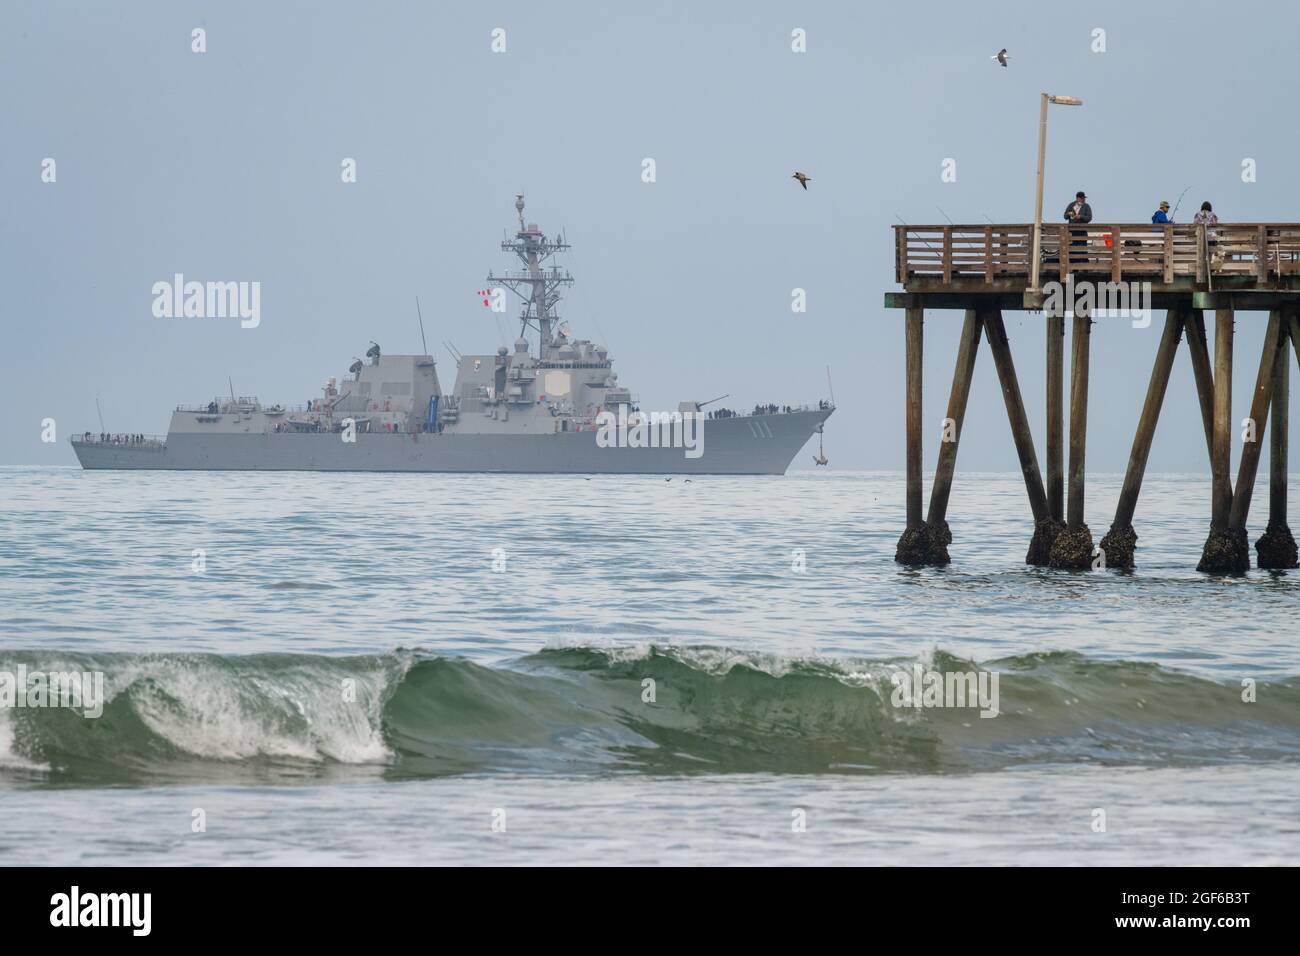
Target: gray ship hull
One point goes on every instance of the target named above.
(748, 445)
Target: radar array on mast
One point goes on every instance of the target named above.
(538, 287)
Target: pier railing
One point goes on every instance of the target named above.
(937, 256)
(122, 441)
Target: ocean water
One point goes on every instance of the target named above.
(510, 669)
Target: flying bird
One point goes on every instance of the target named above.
(803, 179)
(1002, 56)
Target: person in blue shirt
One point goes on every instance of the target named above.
(1162, 214)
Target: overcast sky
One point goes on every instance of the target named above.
(225, 165)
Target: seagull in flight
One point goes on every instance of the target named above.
(803, 179)
(1002, 56)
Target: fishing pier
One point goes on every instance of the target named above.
(1183, 271)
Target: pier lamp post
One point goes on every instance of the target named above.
(1038, 195)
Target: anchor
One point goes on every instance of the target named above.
(820, 458)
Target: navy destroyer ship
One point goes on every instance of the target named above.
(561, 410)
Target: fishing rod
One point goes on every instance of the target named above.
(951, 223)
(1179, 203)
(922, 238)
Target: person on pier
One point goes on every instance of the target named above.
(1079, 212)
(1206, 217)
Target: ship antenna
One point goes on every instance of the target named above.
(538, 285)
(101, 415)
(420, 316)
(829, 384)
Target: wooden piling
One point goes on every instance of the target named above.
(1055, 417)
(1079, 342)
(1073, 546)
(1295, 333)
(1119, 543)
(1020, 431)
(927, 542)
(1277, 433)
(1198, 348)
(1226, 549)
(1221, 445)
(1276, 547)
(961, 379)
(915, 340)
(1259, 407)
(1040, 544)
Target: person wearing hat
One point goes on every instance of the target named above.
(1162, 214)
(1079, 211)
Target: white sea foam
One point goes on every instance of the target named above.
(286, 711)
(10, 758)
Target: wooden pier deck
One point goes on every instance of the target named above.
(1182, 270)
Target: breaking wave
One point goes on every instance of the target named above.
(205, 718)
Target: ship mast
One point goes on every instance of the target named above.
(539, 286)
